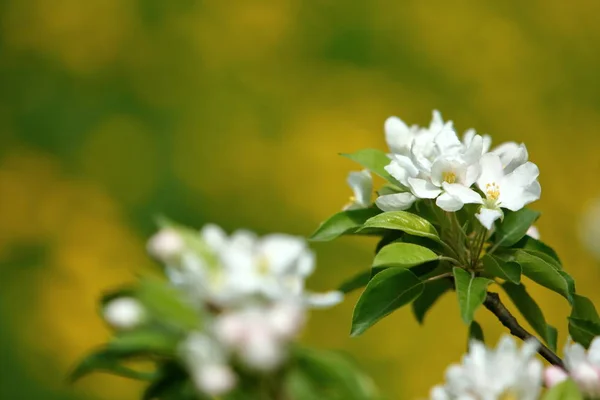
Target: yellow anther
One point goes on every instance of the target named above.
(263, 266)
(449, 177)
(492, 191)
(508, 395)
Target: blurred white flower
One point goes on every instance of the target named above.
(361, 184)
(124, 313)
(582, 366)
(511, 191)
(533, 232)
(504, 373)
(207, 362)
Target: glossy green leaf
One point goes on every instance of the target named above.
(476, 332)
(403, 255)
(514, 226)
(431, 293)
(166, 304)
(528, 307)
(551, 337)
(356, 282)
(507, 270)
(545, 273)
(344, 222)
(529, 243)
(566, 390)
(374, 160)
(405, 222)
(387, 291)
(471, 292)
(583, 331)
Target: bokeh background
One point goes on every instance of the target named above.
(114, 111)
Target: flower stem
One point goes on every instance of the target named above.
(435, 278)
(492, 302)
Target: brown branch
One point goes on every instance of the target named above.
(492, 302)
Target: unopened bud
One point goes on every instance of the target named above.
(214, 379)
(554, 375)
(166, 245)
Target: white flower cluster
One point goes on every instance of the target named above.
(249, 292)
(433, 163)
(485, 374)
(582, 367)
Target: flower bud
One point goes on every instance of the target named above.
(214, 379)
(166, 245)
(554, 375)
(124, 313)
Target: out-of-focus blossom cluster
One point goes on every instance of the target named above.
(248, 292)
(434, 163)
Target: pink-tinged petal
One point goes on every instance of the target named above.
(423, 189)
(395, 202)
(463, 193)
(487, 216)
(491, 170)
(554, 375)
(449, 203)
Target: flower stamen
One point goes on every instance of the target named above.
(449, 177)
(492, 191)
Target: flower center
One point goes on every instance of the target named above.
(492, 191)
(449, 177)
(508, 395)
(263, 266)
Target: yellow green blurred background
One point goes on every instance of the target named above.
(114, 111)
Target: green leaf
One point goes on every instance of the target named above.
(551, 337)
(342, 223)
(471, 292)
(169, 381)
(106, 360)
(403, 255)
(374, 160)
(507, 270)
(475, 332)
(166, 304)
(431, 293)
(583, 308)
(529, 243)
(387, 291)
(583, 331)
(566, 390)
(546, 274)
(528, 308)
(327, 375)
(356, 282)
(405, 222)
(144, 341)
(514, 226)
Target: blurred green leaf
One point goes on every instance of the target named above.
(165, 304)
(431, 293)
(514, 226)
(386, 292)
(583, 308)
(471, 292)
(107, 360)
(551, 337)
(583, 331)
(566, 390)
(507, 270)
(344, 222)
(405, 222)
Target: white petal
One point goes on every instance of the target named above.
(594, 352)
(533, 232)
(423, 189)
(554, 375)
(487, 216)
(524, 175)
(449, 203)
(281, 251)
(438, 393)
(472, 174)
(323, 300)
(395, 202)
(474, 150)
(362, 186)
(463, 193)
(514, 159)
(397, 135)
(447, 141)
(402, 168)
(487, 143)
(214, 236)
(491, 170)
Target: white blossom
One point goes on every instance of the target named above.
(533, 232)
(486, 374)
(124, 313)
(166, 245)
(582, 366)
(361, 184)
